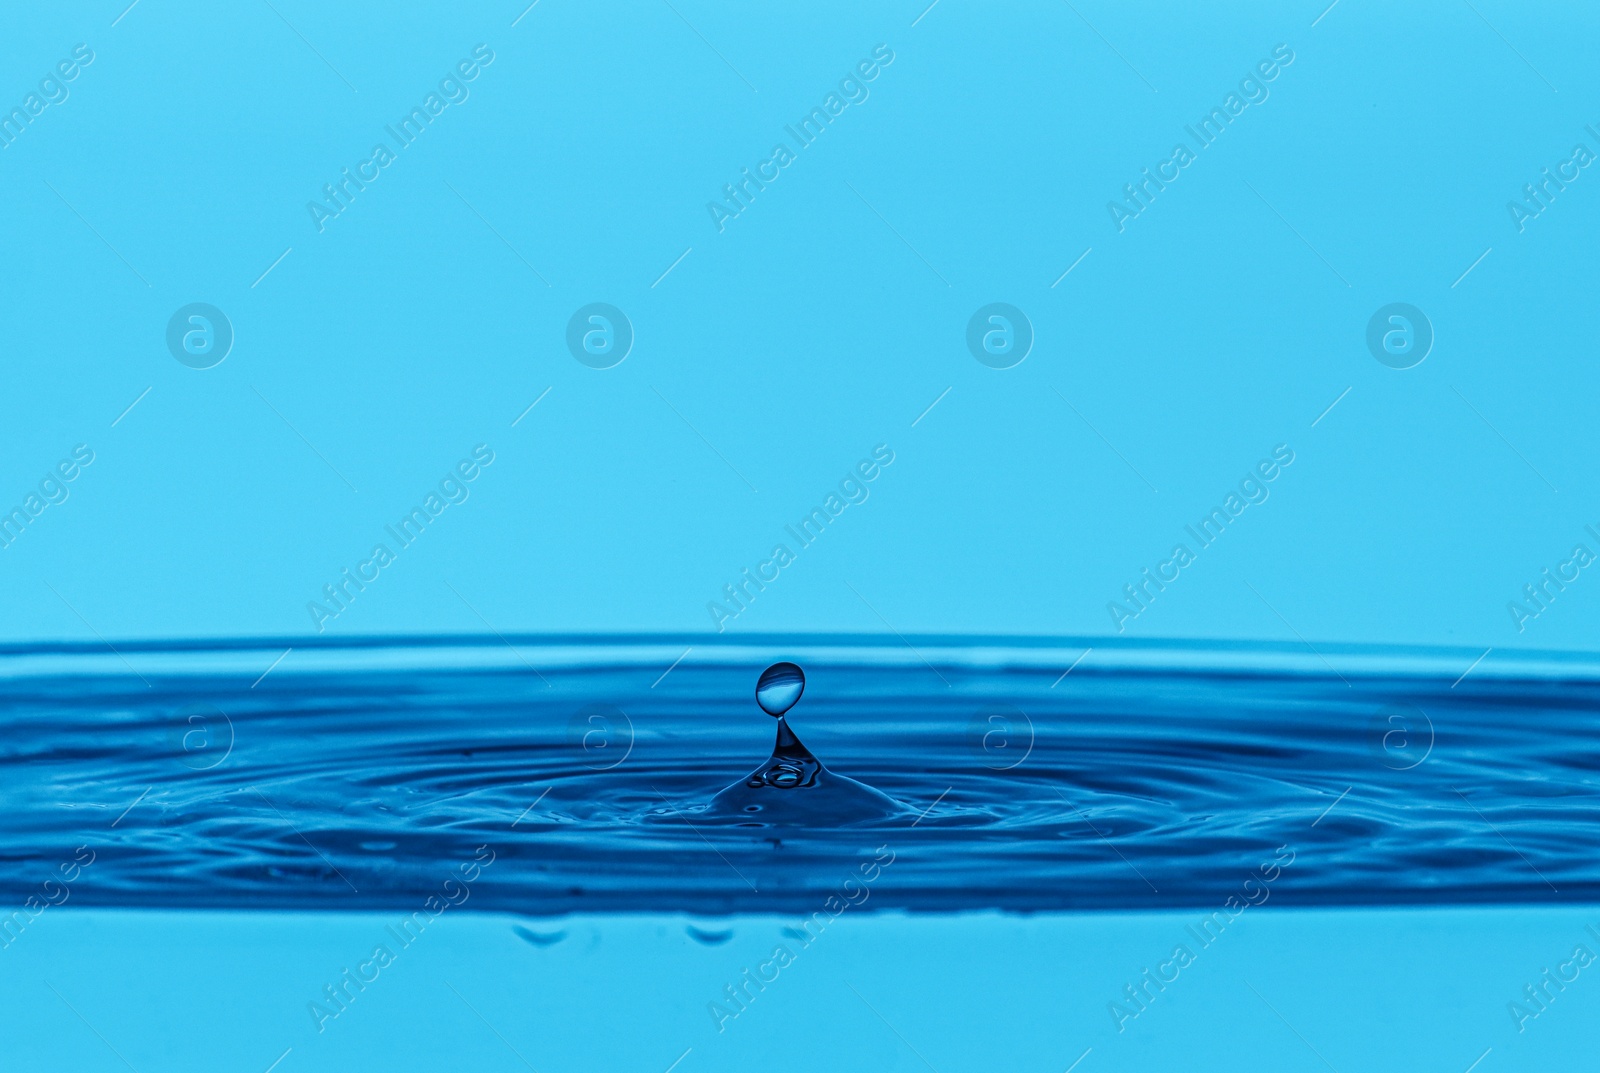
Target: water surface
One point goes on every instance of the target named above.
(1148, 776)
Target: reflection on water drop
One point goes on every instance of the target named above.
(779, 687)
(784, 776)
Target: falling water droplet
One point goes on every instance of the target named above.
(779, 687)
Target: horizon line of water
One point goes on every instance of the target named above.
(504, 651)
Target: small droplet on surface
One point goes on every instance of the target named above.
(536, 938)
(706, 937)
(779, 688)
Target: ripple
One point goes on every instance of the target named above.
(371, 784)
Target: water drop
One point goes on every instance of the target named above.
(707, 937)
(793, 788)
(536, 938)
(779, 687)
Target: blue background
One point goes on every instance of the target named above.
(822, 321)
(970, 992)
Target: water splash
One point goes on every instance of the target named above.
(355, 776)
(793, 788)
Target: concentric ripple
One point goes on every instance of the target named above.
(1146, 777)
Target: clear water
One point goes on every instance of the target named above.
(514, 852)
(1351, 859)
